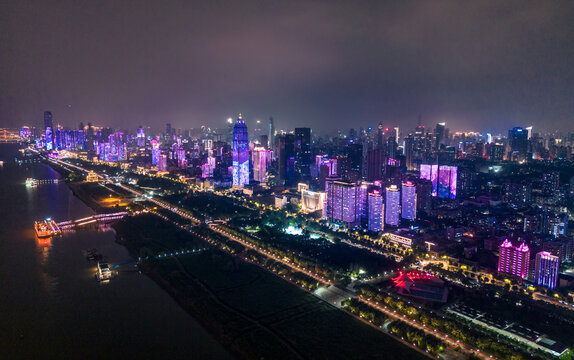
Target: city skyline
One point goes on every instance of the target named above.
(477, 66)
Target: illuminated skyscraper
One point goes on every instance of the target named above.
(162, 165)
(447, 178)
(443, 178)
(240, 153)
(286, 158)
(48, 126)
(546, 269)
(181, 158)
(392, 205)
(514, 260)
(345, 202)
(155, 152)
(141, 137)
(260, 157)
(409, 201)
(207, 168)
(518, 141)
(375, 216)
(271, 138)
(439, 134)
(430, 172)
(303, 153)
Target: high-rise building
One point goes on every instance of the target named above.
(518, 142)
(286, 158)
(155, 151)
(375, 211)
(168, 130)
(546, 269)
(430, 172)
(208, 168)
(447, 181)
(424, 195)
(375, 164)
(550, 183)
(519, 195)
(162, 165)
(260, 157)
(141, 137)
(514, 260)
(408, 152)
(240, 153)
(181, 158)
(409, 201)
(439, 135)
(392, 205)
(48, 127)
(345, 202)
(271, 145)
(303, 153)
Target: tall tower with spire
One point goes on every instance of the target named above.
(271, 138)
(240, 153)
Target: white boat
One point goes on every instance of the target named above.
(104, 273)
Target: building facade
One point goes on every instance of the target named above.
(240, 153)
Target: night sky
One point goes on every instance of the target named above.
(484, 65)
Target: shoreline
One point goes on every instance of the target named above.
(186, 303)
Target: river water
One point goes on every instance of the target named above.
(51, 306)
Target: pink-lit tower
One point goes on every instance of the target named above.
(260, 157)
(514, 260)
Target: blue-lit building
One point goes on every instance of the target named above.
(48, 126)
(240, 153)
(392, 205)
(155, 152)
(375, 208)
(546, 269)
(409, 201)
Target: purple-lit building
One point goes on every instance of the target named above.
(162, 165)
(25, 132)
(443, 178)
(240, 153)
(345, 202)
(514, 260)
(141, 137)
(447, 176)
(409, 201)
(392, 205)
(376, 211)
(181, 159)
(430, 172)
(155, 152)
(48, 126)
(546, 269)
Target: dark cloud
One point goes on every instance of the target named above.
(325, 64)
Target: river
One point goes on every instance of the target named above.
(51, 306)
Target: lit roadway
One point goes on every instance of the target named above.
(215, 227)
